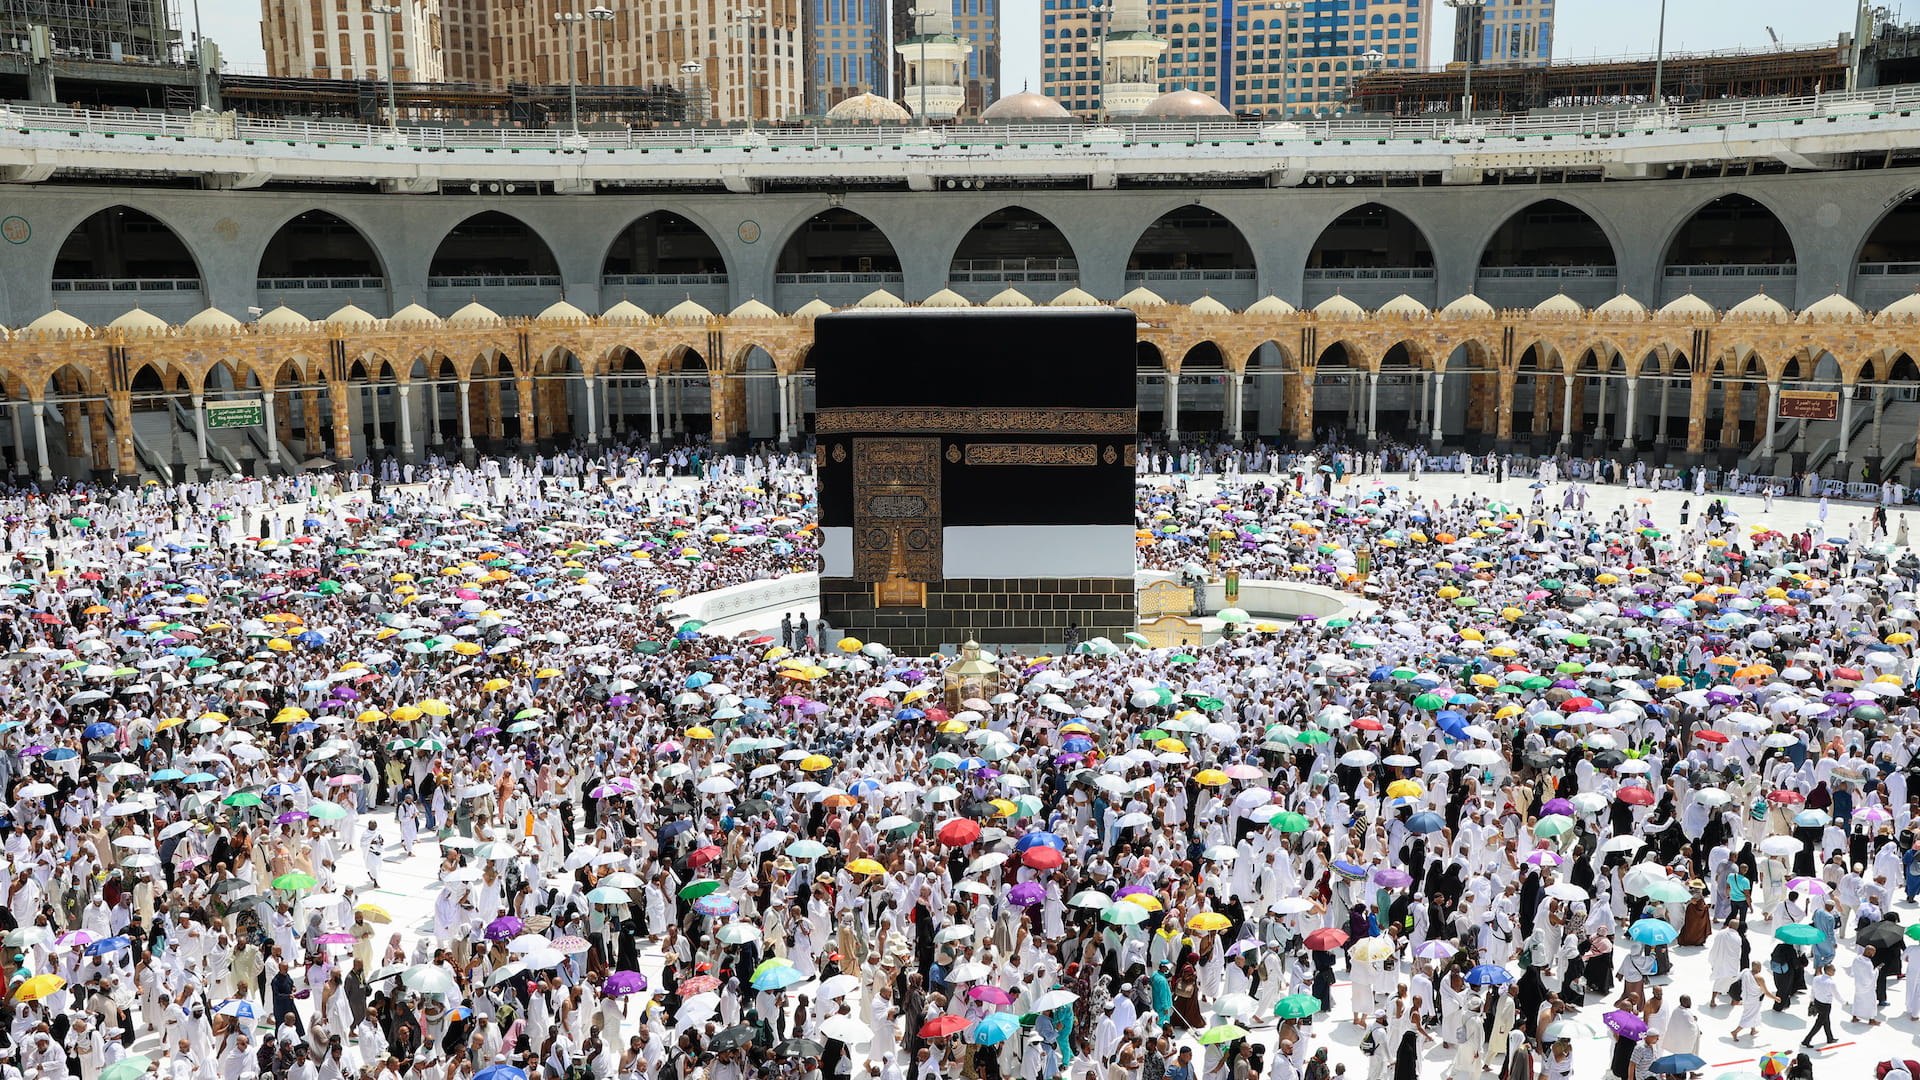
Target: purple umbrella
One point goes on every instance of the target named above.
(1720, 697)
(1557, 806)
(622, 983)
(1391, 878)
(33, 751)
(1026, 894)
(504, 927)
(1624, 1024)
(620, 701)
(346, 692)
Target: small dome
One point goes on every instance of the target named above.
(1009, 298)
(1405, 307)
(1183, 105)
(1560, 306)
(870, 107)
(1207, 305)
(880, 298)
(753, 309)
(212, 319)
(56, 321)
(1270, 306)
(1761, 307)
(1025, 106)
(350, 316)
(626, 311)
(1621, 306)
(1833, 308)
(139, 319)
(1688, 306)
(283, 316)
(686, 311)
(414, 315)
(1338, 307)
(946, 298)
(1905, 309)
(1467, 306)
(559, 310)
(813, 309)
(1139, 298)
(1074, 297)
(476, 313)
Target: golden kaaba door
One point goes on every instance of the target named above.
(896, 518)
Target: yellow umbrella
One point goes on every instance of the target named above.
(495, 684)
(699, 733)
(38, 987)
(1448, 592)
(407, 713)
(776, 653)
(953, 727)
(1145, 900)
(1209, 922)
(1502, 650)
(1669, 682)
(1900, 638)
(279, 644)
(1212, 778)
(850, 644)
(1003, 808)
(374, 913)
(169, 722)
(1172, 746)
(466, 648)
(220, 716)
(547, 673)
(435, 707)
(1471, 634)
(1371, 950)
(1075, 729)
(865, 866)
(815, 763)
(1505, 712)
(371, 716)
(1405, 789)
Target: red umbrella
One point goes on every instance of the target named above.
(1326, 939)
(699, 984)
(1368, 723)
(1710, 736)
(703, 856)
(944, 1024)
(1575, 704)
(1783, 797)
(1635, 795)
(1041, 857)
(959, 832)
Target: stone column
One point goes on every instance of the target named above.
(405, 390)
(1436, 427)
(125, 462)
(1846, 426)
(1373, 405)
(674, 392)
(273, 440)
(1170, 405)
(653, 409)
(1566, 411)
(523, 391)
(1633, 412)
(40, 440)
(1236, 386)
(593, 429)
(342, 421)
(786, 410)
(310, 444)
(200, 429)
(1666, 394)
(1600, 424)
(1698, 390)
(1730, 412)
(20, 437)
(466, 414)
(373, 400)
(1503, 388)
(617, 405)
(99, 446)
(1879, 411)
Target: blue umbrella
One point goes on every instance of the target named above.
(1426, 822)
(168, 774)
(1653, 932)
(500, 1072)
(108, 945)
(1040, 839)
(1489, 975)
(61, 753)
(99, 729)
(777, 978)
(1677, 1064)
(995, 1028)
(234, 1007)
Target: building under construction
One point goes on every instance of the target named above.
(109, 30)
(1580, 84)
(444, 104)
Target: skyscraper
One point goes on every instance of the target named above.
(307, 41)
(1505, 34)
(1260, 57)
(845, 46)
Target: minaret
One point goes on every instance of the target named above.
(936, 63)
(1130, 60)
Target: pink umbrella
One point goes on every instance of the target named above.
(992, 995)
(335, 939)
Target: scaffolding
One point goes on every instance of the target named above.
(109, 30)
(1585, 84)
(445, 104)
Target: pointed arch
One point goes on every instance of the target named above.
(838, 241)
(1013, 238)
(122, 242)
(1191, 237)
(319, 244)
(1730, 230)
(662, 242)
(493, 244)
(1370, 236)
(1551, 232)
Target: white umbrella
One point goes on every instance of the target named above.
(426, 979)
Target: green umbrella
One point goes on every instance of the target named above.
(1296, 1006)
(1314, 738)
(1914, 933)
(1181, 658)
(1153, 734)
(1429, 702)
(1536, 682)
(1289, 822)
(294, 882)
(79, 522)
(1222, 1033)
(1209, 704)
(242, 798)
(326, 811)
(806, 849)
(127, 1068)
(1403, 674)
(1339, 624)
(1552, 825)
(1552, 584)
(696, 889)
(1800, 934)
(649, 648)
(1124, 914)
(1579, 641)
(1137, 639)
(1569, 668)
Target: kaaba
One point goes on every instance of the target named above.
(976, 474)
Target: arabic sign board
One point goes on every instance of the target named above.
(236, 414)
(1809, 404)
